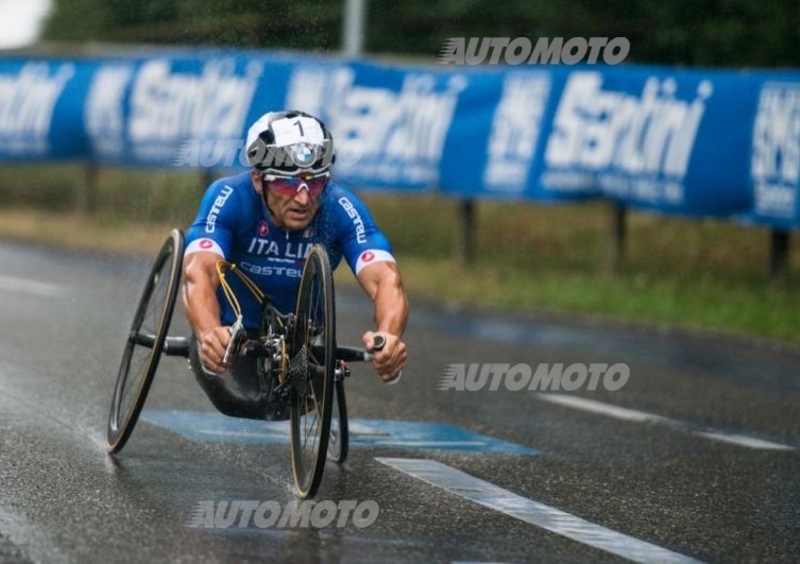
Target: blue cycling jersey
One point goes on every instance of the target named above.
(234, 223)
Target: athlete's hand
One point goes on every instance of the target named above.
(212, 348)
(391, 359)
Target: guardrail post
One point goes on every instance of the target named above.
(616, 236)
(778, 255)
(466, 234)
(86, 194)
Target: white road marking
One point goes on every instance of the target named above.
(549, 518)
(430, 444)
(626, 414)
(33, 287)
(600, 408)
(743, 440)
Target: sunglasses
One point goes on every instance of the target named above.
(291, 185)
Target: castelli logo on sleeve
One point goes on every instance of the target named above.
(367, 256)
(211, 220)
(263, 228)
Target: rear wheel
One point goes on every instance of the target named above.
(145, 341)
(311, 372)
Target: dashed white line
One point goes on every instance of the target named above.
(626, 414)
(33, 287)
(549, 518)
(600, 408)
(743, 440)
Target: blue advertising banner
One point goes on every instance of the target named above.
(40, 109)
(181, 112)
(774, 162)
(390, 124)
(501, 135)
(654, 139)
(674, 141)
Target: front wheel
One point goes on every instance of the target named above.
(145, 341)
(311, 372)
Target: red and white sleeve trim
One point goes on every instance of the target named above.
(204, 245)
(369, 257)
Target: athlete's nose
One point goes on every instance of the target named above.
(303, 195)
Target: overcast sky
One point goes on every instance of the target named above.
(20, 21)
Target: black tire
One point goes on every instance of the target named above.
(145, 341)
(311, 372)
(338, 443)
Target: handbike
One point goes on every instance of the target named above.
(296, 354)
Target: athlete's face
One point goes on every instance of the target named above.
(292, 205)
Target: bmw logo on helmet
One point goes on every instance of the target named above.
(289, 142)
(303, 154)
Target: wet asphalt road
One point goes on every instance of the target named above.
(705, 464)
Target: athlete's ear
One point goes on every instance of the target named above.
(258, 182)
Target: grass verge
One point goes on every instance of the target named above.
(692, 273)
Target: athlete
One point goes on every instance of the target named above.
(264, 221)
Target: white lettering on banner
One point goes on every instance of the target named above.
(382, 134)
(105, 114)
(27, 103)
(211, 220)
(352, 212)
(632, 145)
(515, 130)
(169, 106)
(775, 161)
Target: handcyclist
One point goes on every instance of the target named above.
(264, 221)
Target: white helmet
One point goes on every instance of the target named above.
(289, 143)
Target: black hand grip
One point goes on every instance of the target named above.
(238, 337)
(378, 342)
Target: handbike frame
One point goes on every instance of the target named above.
(303, 365)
